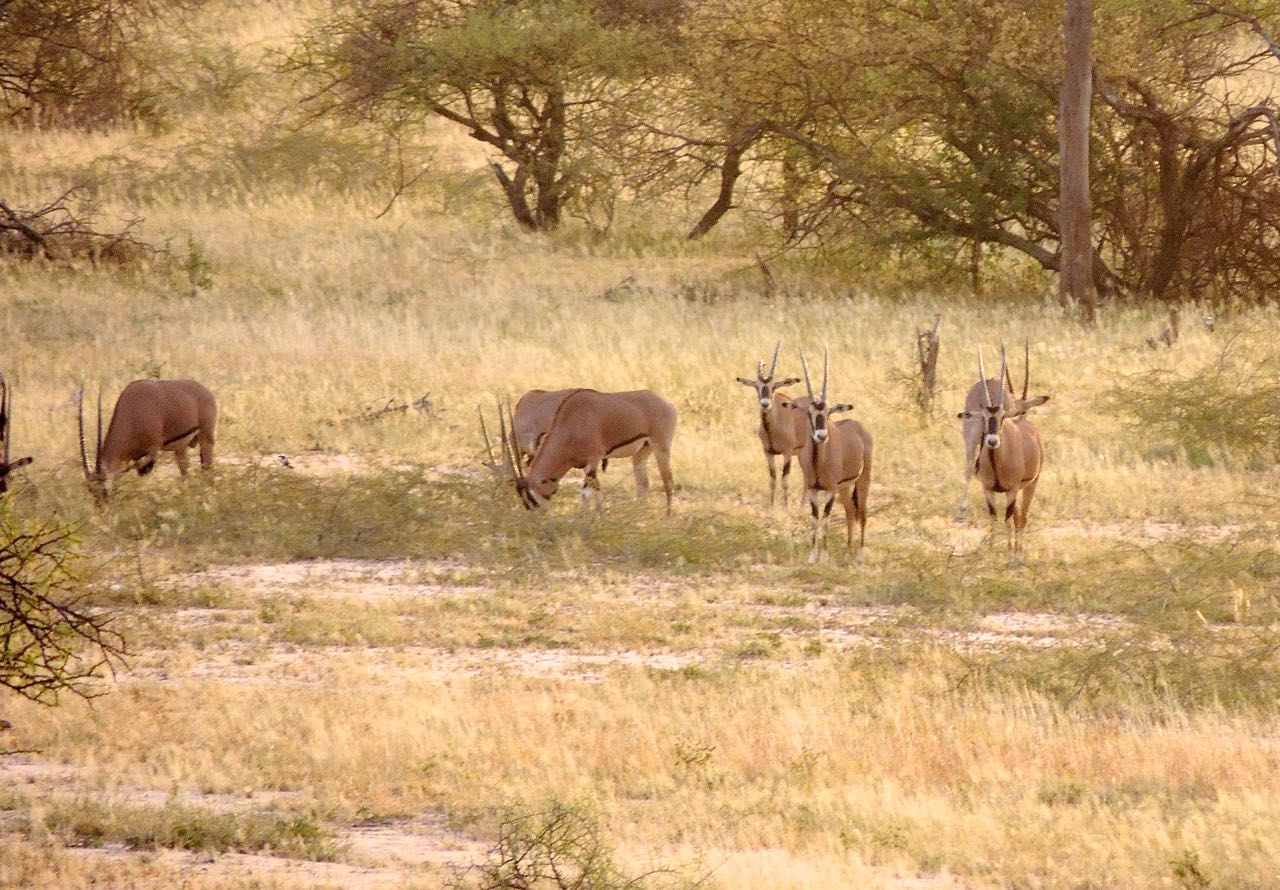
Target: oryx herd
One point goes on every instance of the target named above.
(549, 433)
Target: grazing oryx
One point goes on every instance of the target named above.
(836, 460)
(588, 428)
(1008, 451)
(6, 419)
(150, 416)
(782, 431)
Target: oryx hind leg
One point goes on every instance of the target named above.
(638, 470)
(786, 481)
(971, 445)
(146, 463)
(662, 454)
(1024, 507)
(181, 457)
(849, 501)
(772, 460)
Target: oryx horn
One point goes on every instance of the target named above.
(982, 375)
(826, 372)
(488, 446)
(808, 384)
(84, 455)
(1004, 370)
(774, 365)
(1026, 376)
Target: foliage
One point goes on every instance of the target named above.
(1229, 406)
(181, 826)
(80, 61)
(560, 848)
(539, 82)
(52, 640)
(913, 126)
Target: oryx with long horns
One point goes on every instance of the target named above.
(1005, 452)
(836, 461)
(588, 428)
(150, 416)
(7, 464)
(782, 431)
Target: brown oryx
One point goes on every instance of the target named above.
(6, 421)
(1006, 455)
(588, 428)
(836, 460)
(782, 431)
(150, 416)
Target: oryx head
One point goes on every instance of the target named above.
(995, 410)
(818, 409)
(765, 385)
(532, 494)
(95, 479)
(7, 465)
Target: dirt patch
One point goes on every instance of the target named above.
(361, 579)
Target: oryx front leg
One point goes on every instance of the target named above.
(786, 477)
(591, 489)
(820, 503)
(772, 460)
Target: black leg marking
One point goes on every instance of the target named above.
(144, 469)
(1008, 510)
(813, 508)
(991, 508)
(786, 468)
(826, 511)
(604, 465)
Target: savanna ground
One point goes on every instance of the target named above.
(345, 671)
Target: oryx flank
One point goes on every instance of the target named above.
(1006, 454)
(588, 428)
(782, 432)
(836, 460)
(150, 416)
(6, 420)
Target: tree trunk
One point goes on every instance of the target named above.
(1075, 279)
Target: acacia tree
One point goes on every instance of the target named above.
(540, 82)
(51, 638)
(79, 61)
(926, 128)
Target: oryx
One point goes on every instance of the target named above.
(1006, 454)
(588, 428)
(150, 416)
(7, 465)
(836, 460)
(782, 432)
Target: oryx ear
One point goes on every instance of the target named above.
(843, 406)
(1022, 406)
(965, 415)
(790, 381)
(745, 382)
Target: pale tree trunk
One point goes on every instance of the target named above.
(1075, 276)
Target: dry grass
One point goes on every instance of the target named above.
(381, 634)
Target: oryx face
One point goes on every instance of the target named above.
(820, 419)
(765, 384)
(766, 389)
